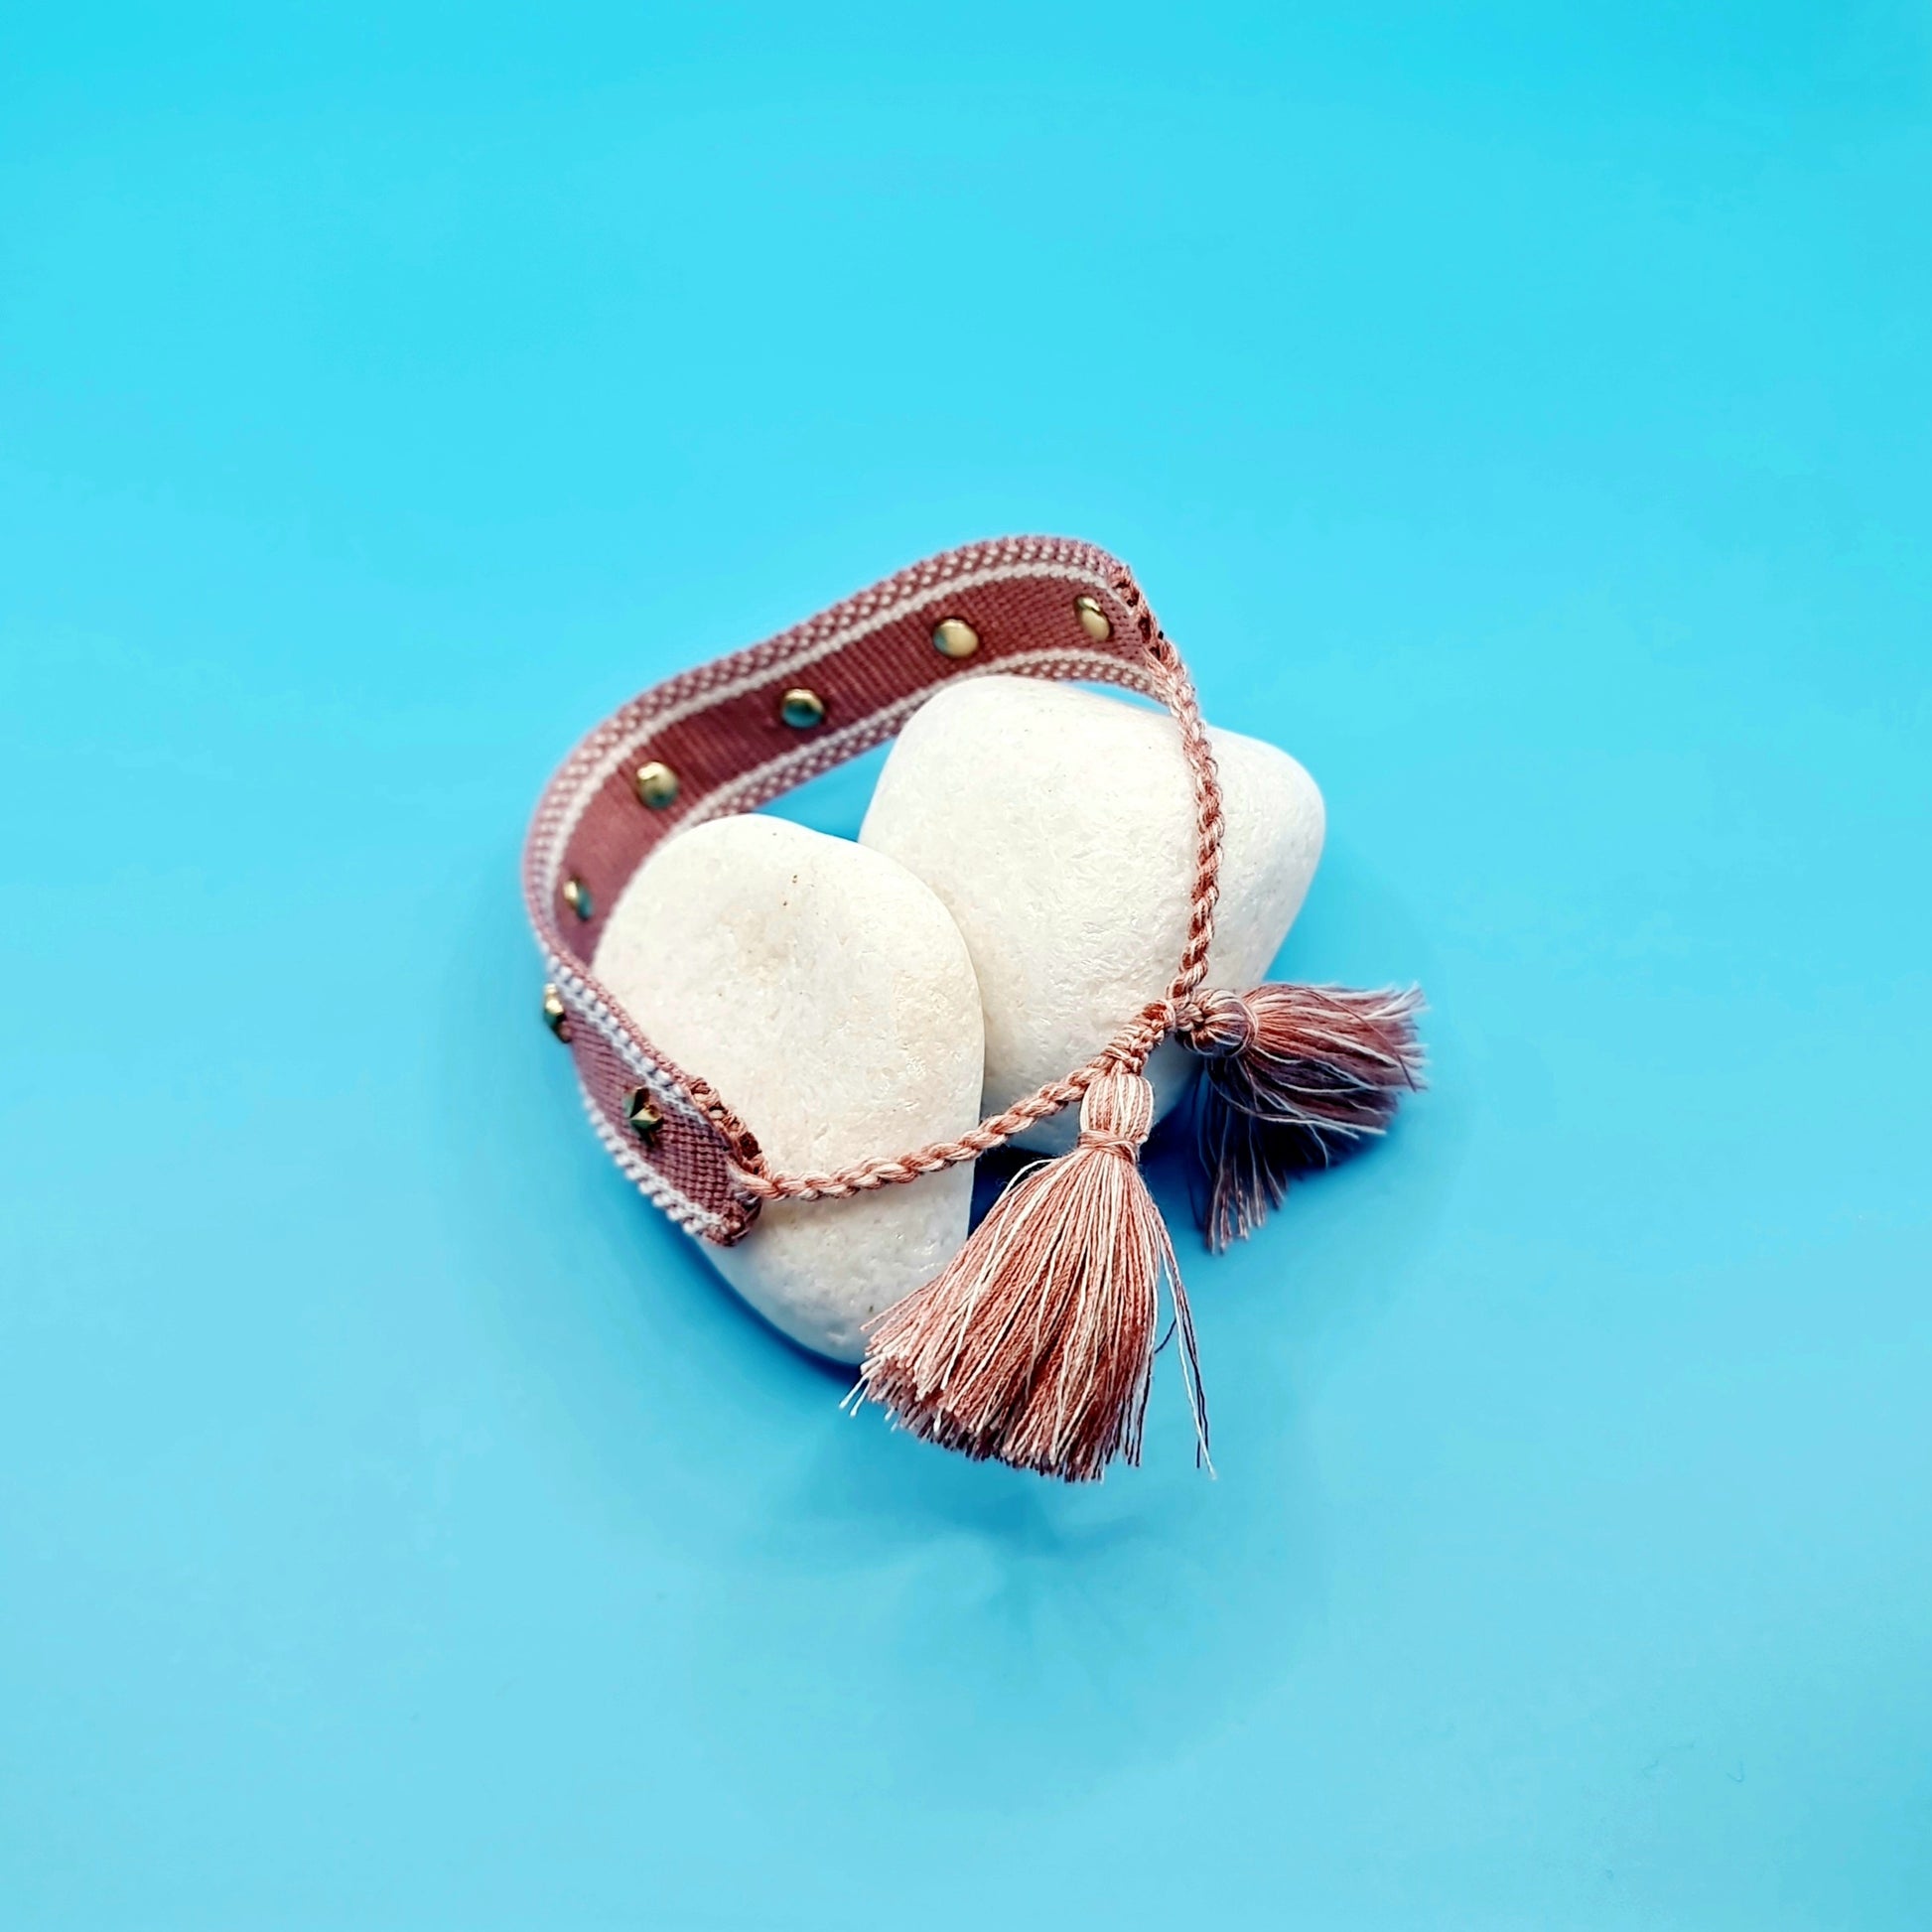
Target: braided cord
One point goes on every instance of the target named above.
(1177, 691)
(1128, 1050)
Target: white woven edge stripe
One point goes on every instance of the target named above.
(610, 1027)
(692, 1218)
(1062, 556)
(782, 773)
(572, 810)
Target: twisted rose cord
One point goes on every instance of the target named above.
(1178, 690)
(1128, 1050)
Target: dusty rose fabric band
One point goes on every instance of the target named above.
(722, 730)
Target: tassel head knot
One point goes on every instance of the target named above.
(1292, 1078)
(1117, 1113)
(1216, 1025)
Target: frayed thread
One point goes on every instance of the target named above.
(1293, 1078)
(1034, 1346)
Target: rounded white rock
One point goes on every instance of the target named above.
(1057, 827)
(825, 993)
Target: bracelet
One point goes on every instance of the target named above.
(1034, 1346)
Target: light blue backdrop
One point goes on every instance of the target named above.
(1519, 412)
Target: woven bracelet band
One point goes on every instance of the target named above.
(733, 734)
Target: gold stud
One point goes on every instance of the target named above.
(955, 638)
(577, 895)
(554, 1016)
(656, 785)
(645, 1119)
(1093, 619)
(802, 709)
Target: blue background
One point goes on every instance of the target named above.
(1519, 412)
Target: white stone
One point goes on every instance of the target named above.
(1057, 827)
(824, 992)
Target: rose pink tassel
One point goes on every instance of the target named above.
(1292, 1078)
(1034, 1346)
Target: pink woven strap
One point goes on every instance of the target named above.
(722, 730)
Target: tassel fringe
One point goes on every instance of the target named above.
(1293, 1078)
(1034, 1346)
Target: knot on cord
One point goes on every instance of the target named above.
(1292, 1078)
(1215, 1025)
(1117, 1113)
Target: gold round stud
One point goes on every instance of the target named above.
(656, 785)
(1093, 619)
(645, 1120)
(802, 709)
(577, 895)
(554, 1016)
(955, 638)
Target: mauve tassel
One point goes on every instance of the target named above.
(1034, 1344)
(1292, 1078)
